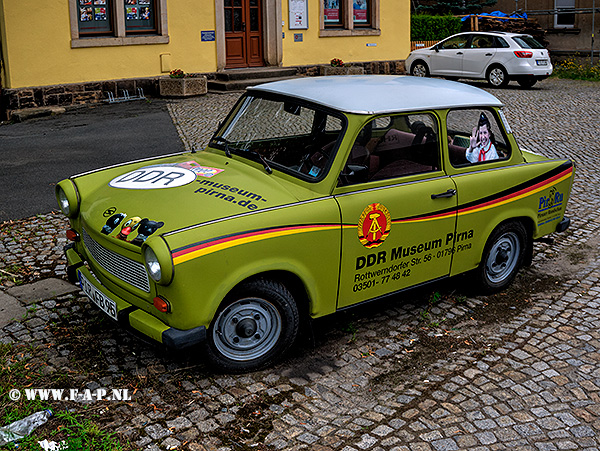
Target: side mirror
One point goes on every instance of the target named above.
(355, 173)
(436, 48)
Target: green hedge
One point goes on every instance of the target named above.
(424, 27)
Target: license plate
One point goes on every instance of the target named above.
(541, 62)
(106, 304)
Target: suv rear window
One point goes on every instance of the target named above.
(527, 42)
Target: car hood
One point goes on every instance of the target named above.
(134, 201)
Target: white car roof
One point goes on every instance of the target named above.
(378, 94)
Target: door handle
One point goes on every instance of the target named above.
(488, 54)
(243, 26)
(449, 193)
(459, 53)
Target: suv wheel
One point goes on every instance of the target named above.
(497, 77)
(419, 69)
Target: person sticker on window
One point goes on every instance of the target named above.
(481, 147)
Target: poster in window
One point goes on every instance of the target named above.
(130, 2)
(143, 2)
(298, 14)
(99, 2)
(100, 13)
(331, 11)
(132, 13)
(85, 2)
(86, 14)
(145, 13)
(360, 11)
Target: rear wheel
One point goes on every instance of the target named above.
(257, 323)
(526, 82)
(497, 77)
(503, 256)
(419, 69)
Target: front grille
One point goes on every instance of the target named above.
(129, 271)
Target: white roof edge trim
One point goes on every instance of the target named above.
(381, 94)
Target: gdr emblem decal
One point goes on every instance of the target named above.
(374, 225)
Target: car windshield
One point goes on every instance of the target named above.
(527, 42)
(284, 134)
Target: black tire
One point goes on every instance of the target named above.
(255, 325)
(502, 256)
(526, 82)
(497, 77)
(419, 69)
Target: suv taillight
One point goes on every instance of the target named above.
(523, 54)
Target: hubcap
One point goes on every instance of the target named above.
(247, 329)
(419, 71)
(496, 77)
(503, 258)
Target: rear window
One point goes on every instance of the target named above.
(527, 42)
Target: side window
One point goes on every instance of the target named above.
(482, 42)
(475, 136)
(393, 146)
(458, 42)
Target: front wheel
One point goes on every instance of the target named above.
(502, 257)
(256, 325)
(419, 69)
(497, 77)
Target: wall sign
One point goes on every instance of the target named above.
(207, 36)
(298, 14)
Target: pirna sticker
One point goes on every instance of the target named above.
(374, 225)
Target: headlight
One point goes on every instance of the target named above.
(63, 202)
(158, 261)
(152, 264)
(67, 198)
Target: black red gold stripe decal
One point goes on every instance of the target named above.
(515, 193)
(196, 250)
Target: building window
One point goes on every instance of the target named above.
(97, 23)
(564, 18)
(349, 18)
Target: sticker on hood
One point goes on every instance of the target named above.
(154, 177)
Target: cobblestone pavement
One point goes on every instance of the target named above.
(517, 370)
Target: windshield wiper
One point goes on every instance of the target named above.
(262, 160)
(220, 139)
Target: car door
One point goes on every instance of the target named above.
(478, 55)
(447, 60)
(397, 207)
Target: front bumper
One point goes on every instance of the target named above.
(132, 317)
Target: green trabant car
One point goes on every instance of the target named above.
(314, 195)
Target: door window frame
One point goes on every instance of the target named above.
(346, 25)
(120, 35)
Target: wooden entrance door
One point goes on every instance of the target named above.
(243, 33)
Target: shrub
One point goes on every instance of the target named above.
(574, 70)
(433, 28)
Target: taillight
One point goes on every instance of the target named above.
(72, 235)
(523, 54)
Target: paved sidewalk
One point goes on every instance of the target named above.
(518, 370)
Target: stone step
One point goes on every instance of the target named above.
(240, 85)
(254, 73)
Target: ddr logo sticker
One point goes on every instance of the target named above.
(374, 225)
(154, 177)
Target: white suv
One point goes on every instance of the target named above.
(495, 56)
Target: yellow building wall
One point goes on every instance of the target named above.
(36, 43)
(37, 46)
(392, 44)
